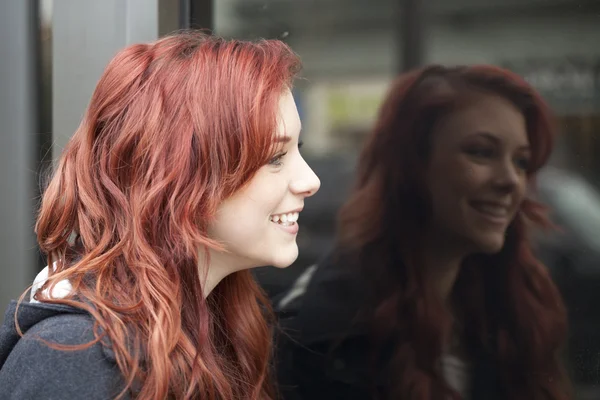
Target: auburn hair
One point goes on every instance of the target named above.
(173, 128)
(512, 309)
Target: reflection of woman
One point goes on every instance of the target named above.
(433, 290)
(184, 173)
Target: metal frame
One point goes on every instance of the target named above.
(196, 14)
(411, 29)
(19, 144)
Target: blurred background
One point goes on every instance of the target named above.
(52, 53)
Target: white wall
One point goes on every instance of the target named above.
(18, 148)
(86, 35)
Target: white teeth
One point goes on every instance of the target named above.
(285, 219)
(493, 210)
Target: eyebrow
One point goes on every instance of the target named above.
(282, 139)
(496, 140)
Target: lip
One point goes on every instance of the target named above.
(493, 219)
(299, 209)
(291, 229)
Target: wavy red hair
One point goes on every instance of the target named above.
(512, 308)
(173, 128)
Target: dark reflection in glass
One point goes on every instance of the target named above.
(353, 49)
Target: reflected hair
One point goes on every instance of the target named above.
(512, 309)
(173, 128)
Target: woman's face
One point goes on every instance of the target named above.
(258, 224)
(477, 173)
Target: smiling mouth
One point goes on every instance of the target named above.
(494, 212)
(287, 219)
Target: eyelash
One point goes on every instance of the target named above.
(484, 153)
(523, 163)
(276, 161)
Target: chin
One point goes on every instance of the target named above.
(285, 257)
(491, 244)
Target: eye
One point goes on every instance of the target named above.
(523, 163)
(480, 152)
(277, 159)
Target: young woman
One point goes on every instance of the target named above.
(432, 291)
(184, 173)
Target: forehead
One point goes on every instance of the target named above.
(483, 113)
(288, 120)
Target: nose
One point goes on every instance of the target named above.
(508, 176)
(306, 182)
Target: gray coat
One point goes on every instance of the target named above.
(29, 369)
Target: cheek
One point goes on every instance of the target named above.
(248, 209)
(266, 188)
(235, 225)
(472, 179)
(266, 200)
(521, 193)
(456, 181)
(454, 186)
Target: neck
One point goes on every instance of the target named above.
(443, 266)
(214, 268)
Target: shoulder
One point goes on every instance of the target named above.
(34, 369)
(323, 369)
(67, 329)
(329, 277)
(290, 300)
(323, 302)
(316, 312)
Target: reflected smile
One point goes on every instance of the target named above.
(497, 213)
